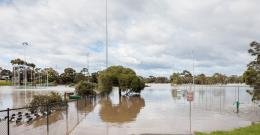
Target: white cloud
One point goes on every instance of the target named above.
(155, 37)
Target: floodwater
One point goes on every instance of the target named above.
(160, 109)
(14, 97)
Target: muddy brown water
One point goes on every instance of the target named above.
(160, 109)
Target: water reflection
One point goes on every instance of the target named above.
(86, 105)
(126, 111)
(178, 94)
(160, 109)
(219, 99)
(11, 97)
(54, 117)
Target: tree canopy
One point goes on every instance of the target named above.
(217, 78)
(119, 76)
(159, 79)
(84, 88)
(252, 74)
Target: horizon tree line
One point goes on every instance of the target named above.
(186, 77)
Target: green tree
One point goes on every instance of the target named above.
(201, 79)
(105, 83)
(84, 88)
(176, 78)
(219, 78)
(68, 76)
(94, 77)
(53, 75)
(186, 77)
(120, 77)
(80, 77)
(252, 74)
(17, 61)
(137, 84)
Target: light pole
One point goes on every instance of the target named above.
(87, 74)
(106, 39)
(25, 44)
(47, 78)
(193, 87)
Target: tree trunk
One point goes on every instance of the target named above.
(119, 92)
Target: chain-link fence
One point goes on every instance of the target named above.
(56, 119)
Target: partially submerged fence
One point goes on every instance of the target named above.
(56, 119)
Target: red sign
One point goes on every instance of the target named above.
(190, 96)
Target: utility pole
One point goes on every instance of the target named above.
(106, 39)
(193, 79)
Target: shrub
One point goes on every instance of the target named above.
(40, 102)
(84, 88)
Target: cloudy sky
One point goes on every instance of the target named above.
(154, 37)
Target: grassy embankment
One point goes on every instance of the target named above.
(251, 130)
(5, 83)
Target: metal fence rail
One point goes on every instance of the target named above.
(57, 119)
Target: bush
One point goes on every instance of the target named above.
(84, 88)
(40, 102)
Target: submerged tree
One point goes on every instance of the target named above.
(84, 88)
(123, 78)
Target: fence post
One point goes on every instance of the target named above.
(47, 118)
(8, 125)
(67, 125)
(77, 102)
(85, 97)
(77, 111)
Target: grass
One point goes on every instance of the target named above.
(5, 83)
(251, 130)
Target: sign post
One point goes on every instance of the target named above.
(190, 98)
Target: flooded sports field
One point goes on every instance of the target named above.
(160, 109)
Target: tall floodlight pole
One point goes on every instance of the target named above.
(47, 77)
(106, 39)
(193, 82)
(193, 77)
(13, 76)
(87, 72)
(25, 44)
